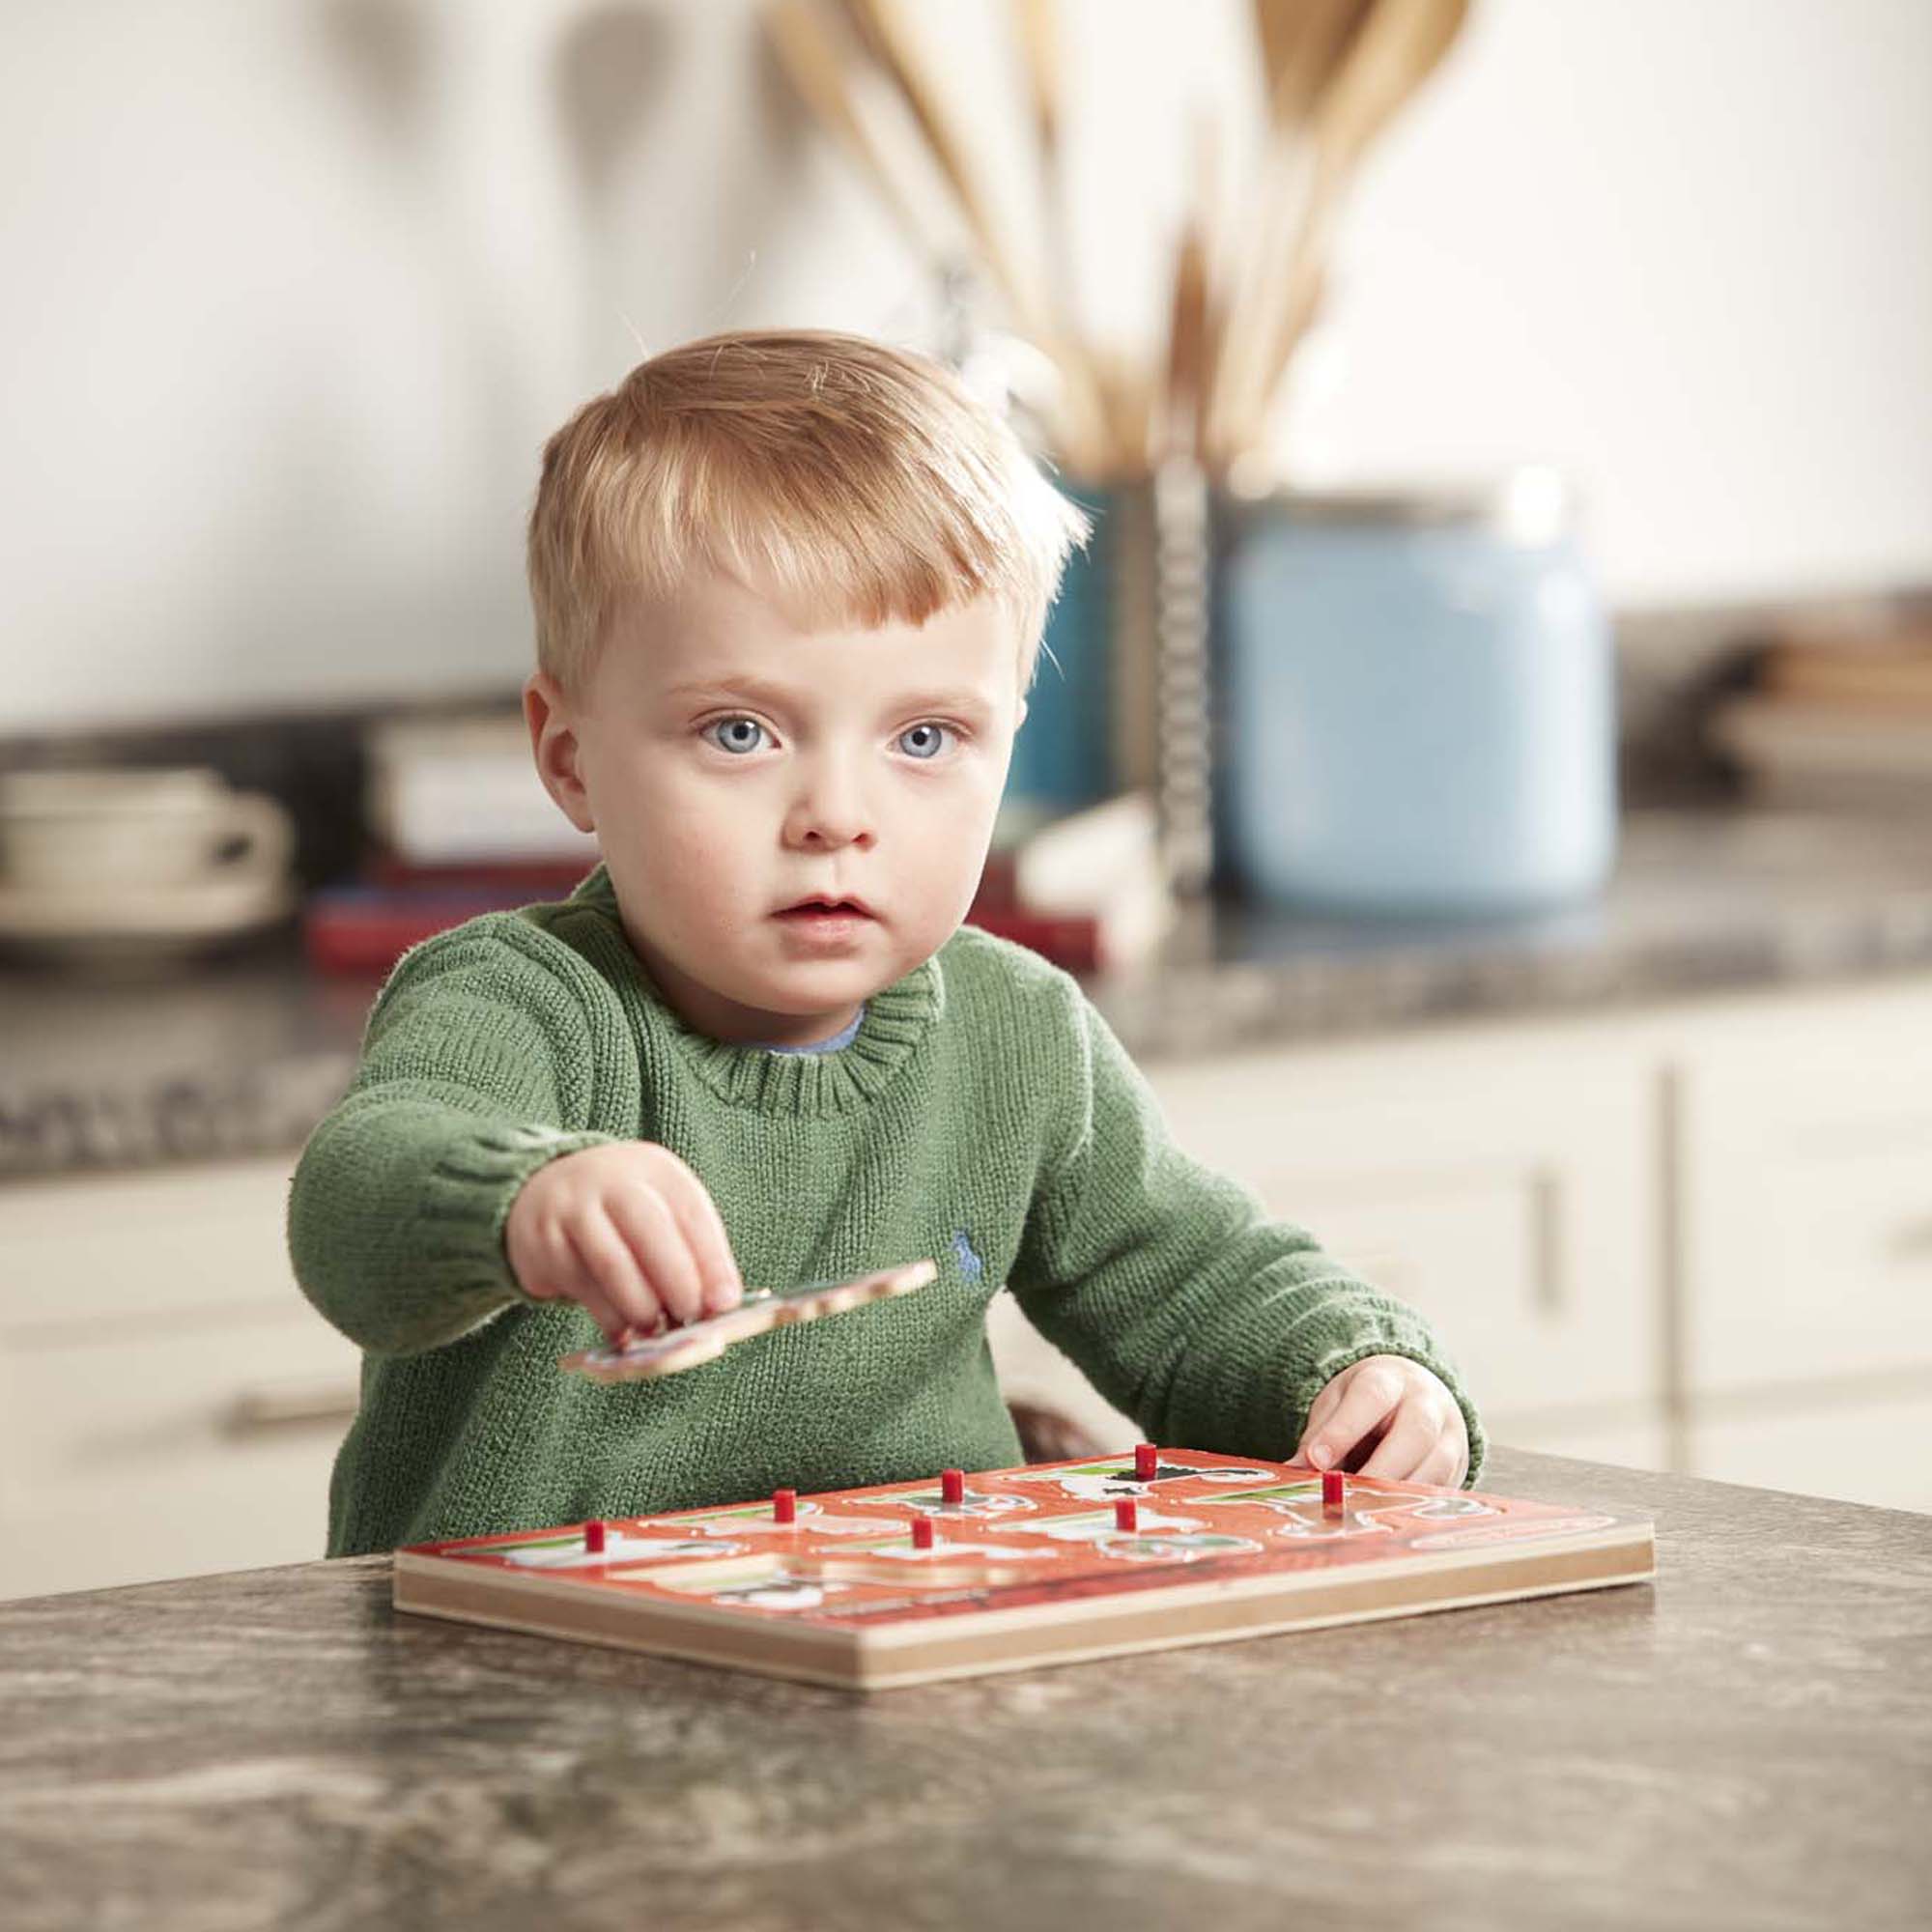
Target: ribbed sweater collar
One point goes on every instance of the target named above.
(896, 1020)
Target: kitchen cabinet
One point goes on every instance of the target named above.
(1804, 1156)
(1868, 1445)
(1503, 1180)
(1806, 1161)
(1504, 1183)
(1695, 1238)
(168, 1402)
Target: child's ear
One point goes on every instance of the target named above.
(554, 745)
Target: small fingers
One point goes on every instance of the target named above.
(1442, 1465)
(1448, 1463)
(1372, 1391)
(1319, 1412)
(549, 1268)
(615, 1329)
(611, 1285)
(1411, 1440)
(653, 1237)
(703, 1229)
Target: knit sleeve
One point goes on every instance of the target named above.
(477, 1069)
(1189, 1309)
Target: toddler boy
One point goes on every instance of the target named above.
(789, 591)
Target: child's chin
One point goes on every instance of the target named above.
(819, 987)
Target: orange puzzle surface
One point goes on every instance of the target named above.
(1013, 1567)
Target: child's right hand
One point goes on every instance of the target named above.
(629, 1231)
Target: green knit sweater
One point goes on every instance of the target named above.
(984, 1115)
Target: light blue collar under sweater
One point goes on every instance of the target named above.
(830, 1045)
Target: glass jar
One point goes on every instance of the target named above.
(1416, 700)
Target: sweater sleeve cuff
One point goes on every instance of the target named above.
(1332, 1364)
(469, 1192)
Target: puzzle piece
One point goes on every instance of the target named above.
(762, 1309)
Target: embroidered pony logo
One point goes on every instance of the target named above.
(970, 1263)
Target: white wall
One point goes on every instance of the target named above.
(293, 292)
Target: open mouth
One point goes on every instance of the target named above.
(826, 909)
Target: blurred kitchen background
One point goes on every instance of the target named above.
(1484, 764)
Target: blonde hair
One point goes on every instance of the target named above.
(835, 472)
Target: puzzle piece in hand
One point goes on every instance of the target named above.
(762, 1308)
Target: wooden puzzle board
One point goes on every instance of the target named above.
(1029, 1568)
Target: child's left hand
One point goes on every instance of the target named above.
(1387, 1416)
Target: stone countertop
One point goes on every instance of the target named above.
(1746, 1743)
(243, 1056)
(1703, 901)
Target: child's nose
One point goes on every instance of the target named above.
(829, 811)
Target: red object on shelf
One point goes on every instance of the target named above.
(593, 1539)
(785, 1505)
(1147, 1461)
(1071, 940)
(365, 929)
(530, 878)
(367, 924)
(1331, 1489)
(952, 1486)
(999, 881)
(922, 1532)
(1126, 1513)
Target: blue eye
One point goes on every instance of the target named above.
(738, 726)
(931, 731)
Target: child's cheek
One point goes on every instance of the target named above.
(683, 825)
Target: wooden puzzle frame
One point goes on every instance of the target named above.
(1028, 1567)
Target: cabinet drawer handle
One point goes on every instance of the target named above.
(277, 1405)
(1547, 1241)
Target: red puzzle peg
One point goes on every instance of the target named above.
(1331, 1489)
(1126, 1513)
(1147, 1461)
(922, 1532)
(952, 1486)
(785, 1505)
(593, 1539)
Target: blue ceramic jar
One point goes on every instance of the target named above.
(1062, 755)
(1416, 700)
